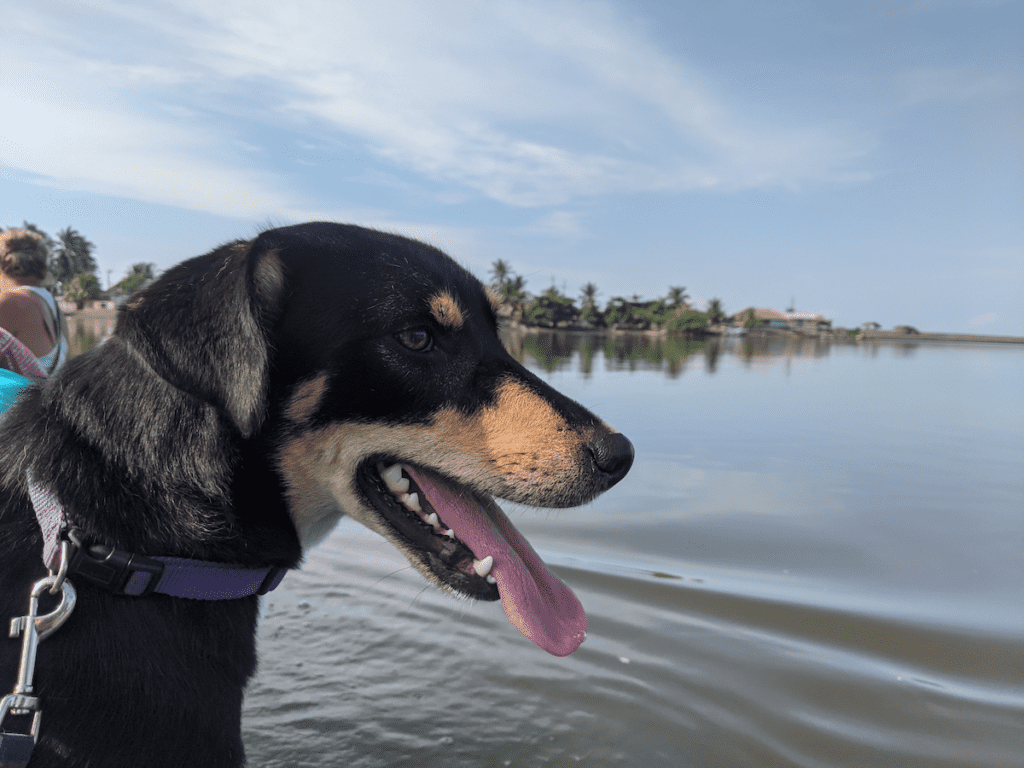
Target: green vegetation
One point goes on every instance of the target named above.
(139, 277)
(72, 257)
(715, 313)
(74, 270)
(70, 263)
(81, 288)
(68, 256)
(510, 288)
(689, 321)
(553, 309)
(550, 310)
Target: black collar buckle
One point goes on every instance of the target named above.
(123, 573)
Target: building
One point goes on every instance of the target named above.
(767, 317)
(804, 320)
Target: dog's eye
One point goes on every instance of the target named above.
(416, 339)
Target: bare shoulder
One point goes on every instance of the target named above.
(16, 307)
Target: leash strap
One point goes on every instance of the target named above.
(127, 573)
(50, 515)
(16, 749)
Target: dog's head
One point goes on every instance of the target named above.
(370, 365)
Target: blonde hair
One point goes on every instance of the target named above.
(22, 254)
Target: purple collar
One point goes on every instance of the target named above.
(127, 573)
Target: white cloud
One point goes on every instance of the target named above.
(528, 103)
(560, 224)
(113, 153)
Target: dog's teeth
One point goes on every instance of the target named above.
(450, 533)
(491, 579)
(483, 567)
(412, 501)
(432, 520)
(393, 478)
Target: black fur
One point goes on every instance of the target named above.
(163, 440)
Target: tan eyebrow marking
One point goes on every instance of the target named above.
(446, 310)
(306, 399)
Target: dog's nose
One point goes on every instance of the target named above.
(613, 454)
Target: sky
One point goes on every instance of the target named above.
(862, 160)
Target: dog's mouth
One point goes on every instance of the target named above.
(461, 539)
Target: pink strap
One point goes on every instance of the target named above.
(15, 356)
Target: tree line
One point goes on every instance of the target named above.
(73, 269)
(554, 309)
(74, 272)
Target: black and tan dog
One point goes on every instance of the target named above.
(246, 401)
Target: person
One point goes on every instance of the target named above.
(28, 311)
(11, 386)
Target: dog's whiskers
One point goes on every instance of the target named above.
(382, 578)
(418, 595)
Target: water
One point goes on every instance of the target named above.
(817, 560)
(89, 329)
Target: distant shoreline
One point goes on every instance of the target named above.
(968, 337)
(838, 334)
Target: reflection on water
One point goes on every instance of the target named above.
(670, 354)
(89, 329)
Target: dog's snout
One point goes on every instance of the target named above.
(613, 454)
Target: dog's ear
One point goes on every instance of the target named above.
(203, 327)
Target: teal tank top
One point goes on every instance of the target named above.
(11, 385)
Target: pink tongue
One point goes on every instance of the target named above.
(535, 600)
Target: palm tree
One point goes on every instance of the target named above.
(73, 256)
(677, 295)
(144, 268)
(501, 271)
(589, 314)
(513, 293)
(715, 312)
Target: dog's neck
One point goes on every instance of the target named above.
(231, 510)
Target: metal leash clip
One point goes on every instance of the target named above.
(16, 748)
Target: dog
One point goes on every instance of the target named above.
(247, 400)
